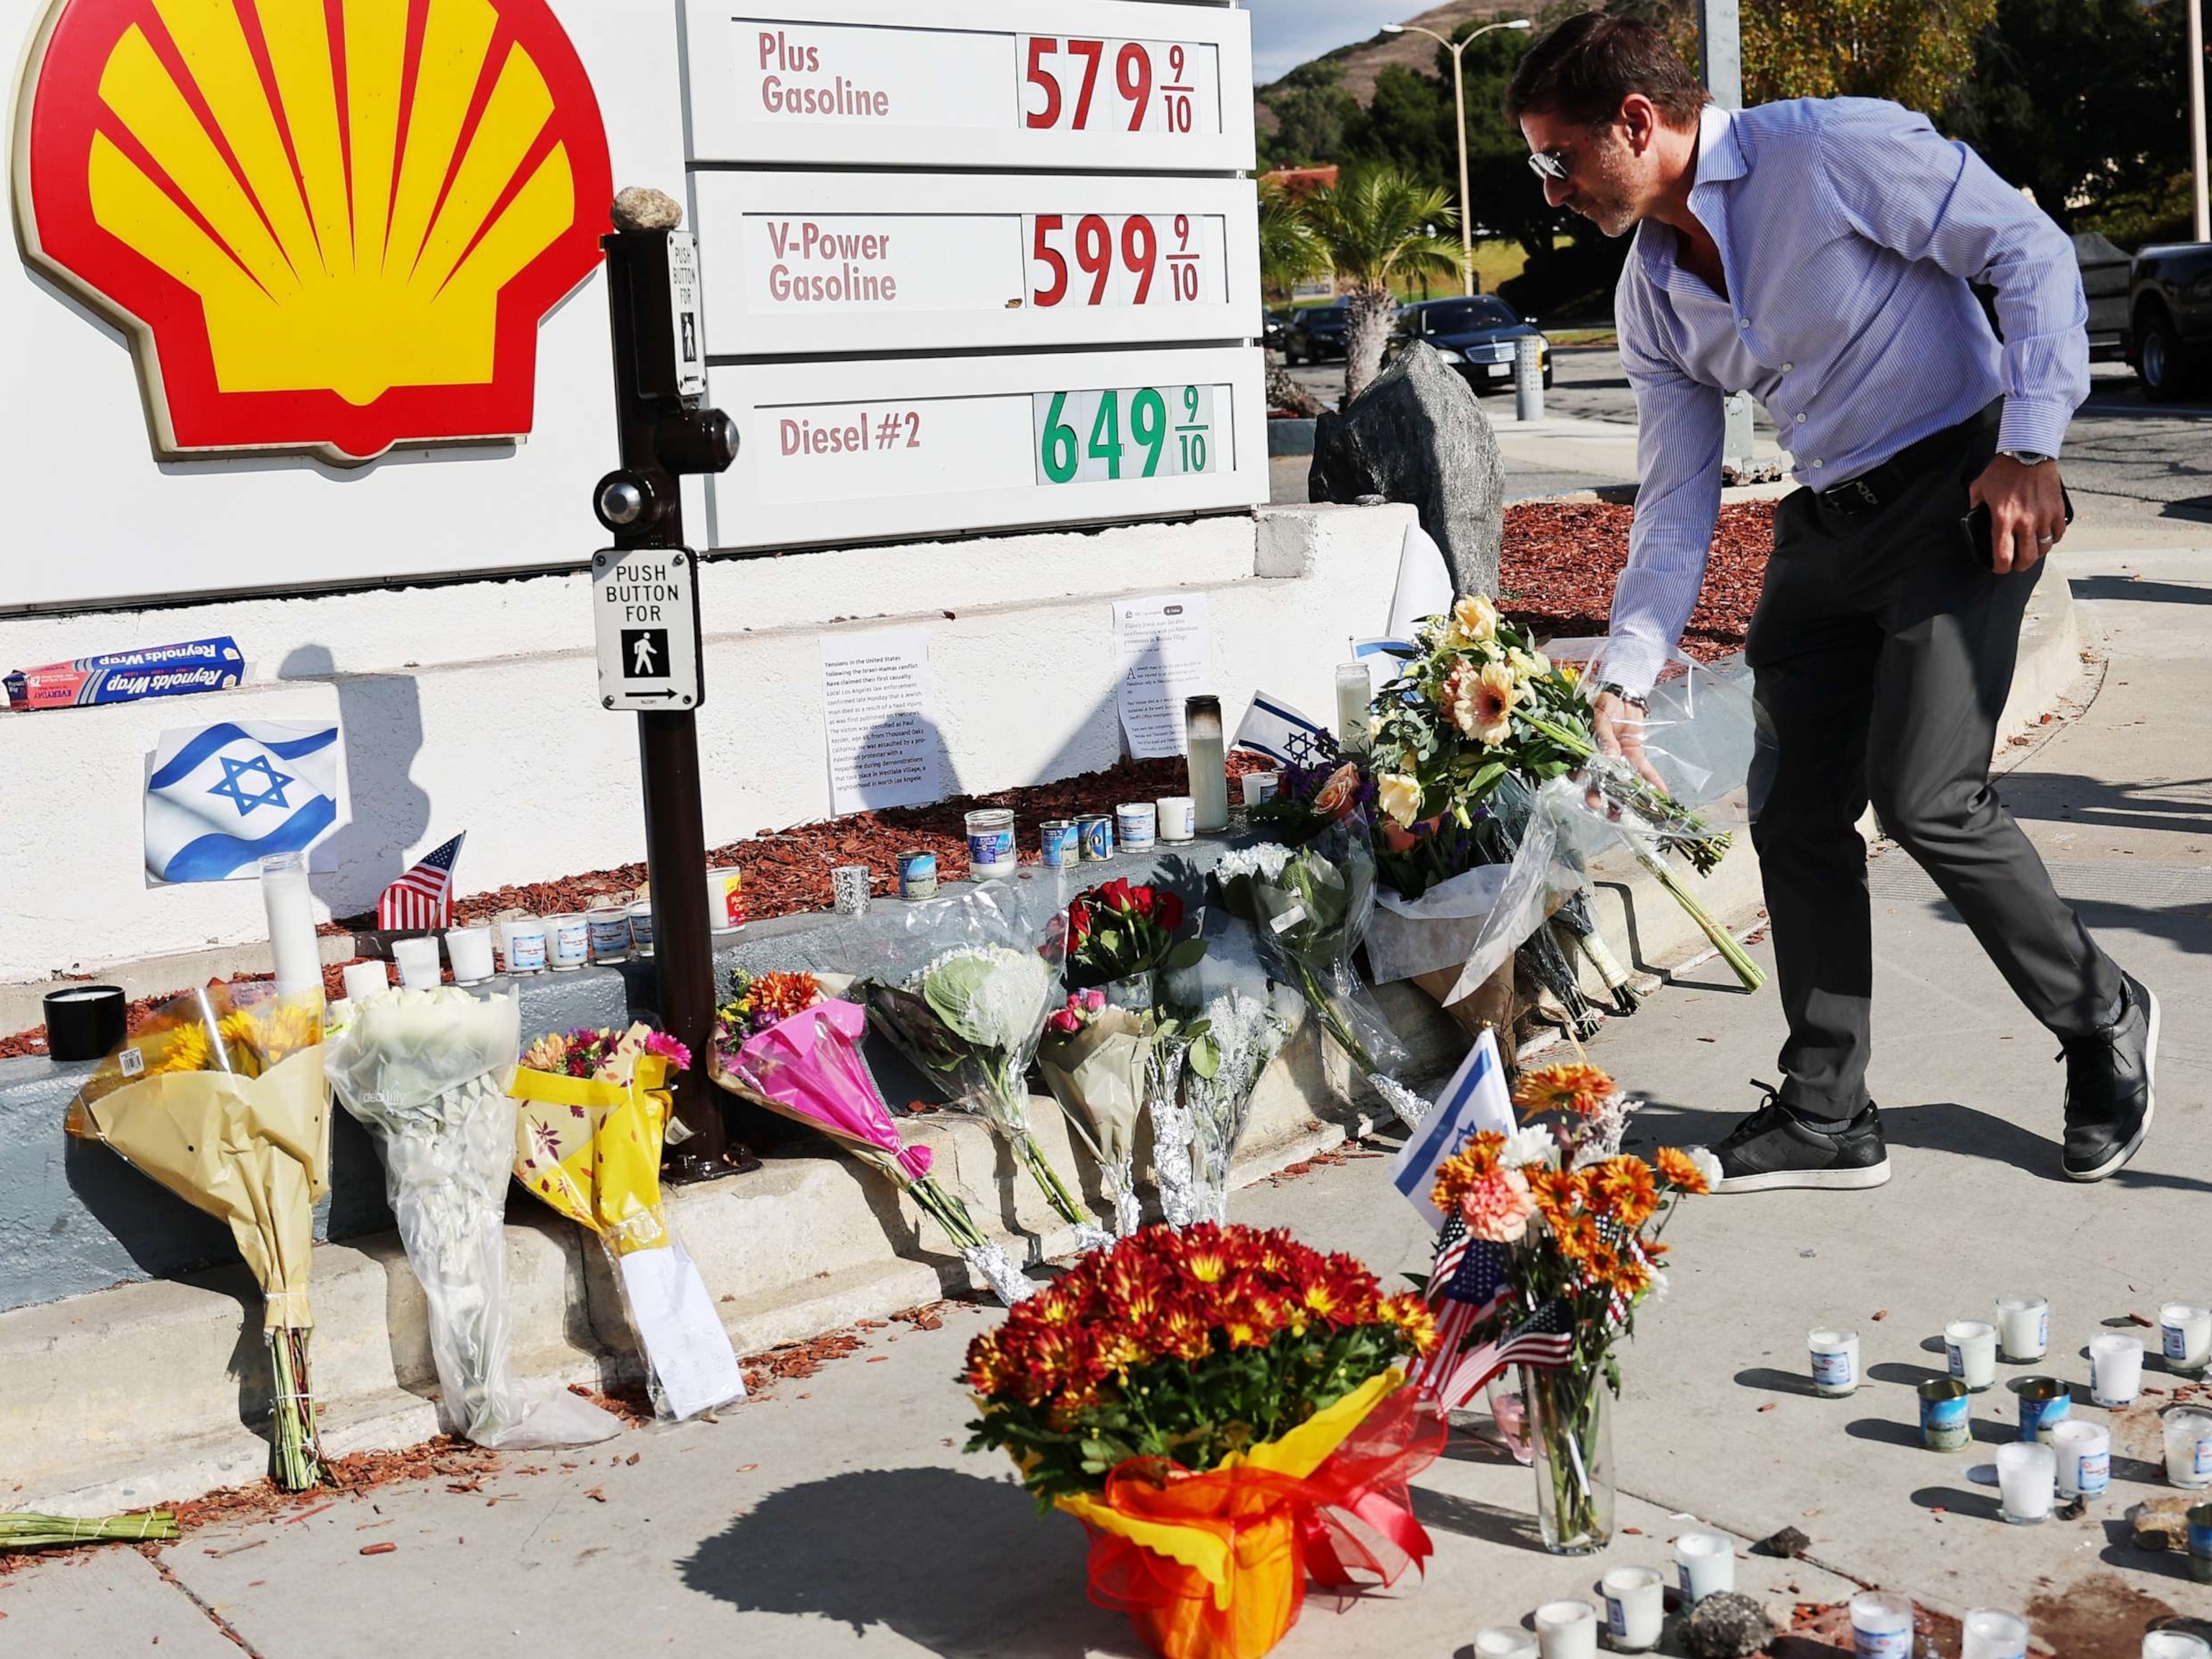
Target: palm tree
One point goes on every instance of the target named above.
(1289, 253)
(1378, 226)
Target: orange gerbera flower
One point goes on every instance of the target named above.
(1558, 1193)
(1626, 1187)
(1678, 1170)
(1466, 1171)
(1631, 1275)
(1574, 1087)
(1576, 1236)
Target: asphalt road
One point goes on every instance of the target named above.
(2127, 460)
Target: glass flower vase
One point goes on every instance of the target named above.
(1571, 1434)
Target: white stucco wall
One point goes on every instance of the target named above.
(474, 706)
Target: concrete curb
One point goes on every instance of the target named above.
(156, 1390)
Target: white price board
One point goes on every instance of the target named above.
(1075, 85)
(802, 264)
(855, 451)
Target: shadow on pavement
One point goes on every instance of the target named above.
(1944, 1126)
(1910, 1376)
(920, 1551)
(2143, 592)
(1956, 1500)
(1775, 1382)
(1485, 1522)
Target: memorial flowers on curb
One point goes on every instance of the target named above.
(221, 1099)
(1094, 1058)
(1240, 1038)
(1213, 1406)
(1118, 931)
(782, 1042)
(427, 1073)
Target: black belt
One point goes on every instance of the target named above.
(1876, 487)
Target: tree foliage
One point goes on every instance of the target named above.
(1381, 225)
(1917, 52)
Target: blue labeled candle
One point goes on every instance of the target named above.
(1063, 845)
(2044, 1403)
(2200, 1543)
(1136, 826)
(917, 875)
(1946, 1414)
(1097, 831)
(990, 842)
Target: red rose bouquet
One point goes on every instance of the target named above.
(1223, 1409)
(1122, 935)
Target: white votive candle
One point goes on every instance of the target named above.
(418, 962)
(1991, 1633)
(2175, 1644)
(1635, 1606)
(1835, 1362)
(1502, 1642)
(364, 980)
(1260, 787)
(1566, 1629)
(2185, 1332)
(1971, 1345)
(1178, 819)
(1354, 691)
(2027, 1480)
(469, 949)
(2189, 1449)
(2115, 1369)
(2023, 1327)
(1881, 1625)
(1704, 1564)
(2084, 1450)
(296, 957)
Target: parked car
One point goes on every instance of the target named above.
(2169, 339)
(2105, 284)
(1275, 326)
(1316, 332)
(1477, 336)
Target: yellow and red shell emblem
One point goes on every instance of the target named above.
(326, 224)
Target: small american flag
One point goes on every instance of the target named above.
(1466, 1287)
(1545, 1339)
(424, 898)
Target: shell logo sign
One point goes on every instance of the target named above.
(331, 225)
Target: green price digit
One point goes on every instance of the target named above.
(1190, 403)
(1148, 420)
(1106, 433)
(1060, 451)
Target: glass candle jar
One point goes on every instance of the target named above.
(2023, 1328)
(1992, 1634)
(2084, 1450)
(2188, 1447)
(991, 843)
(2185, 1332)
(2115, 1369)
(1635, 1608)
(418, 962)
(1881, 1625)
(364, 980)
(523, 942)
(1354, 692)
(1971, 1347)
(469, 949)
(1704, 1564)
(1208, 762)
(1835, 1362)
(2027, 1481)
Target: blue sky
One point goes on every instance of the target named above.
(1287, 33)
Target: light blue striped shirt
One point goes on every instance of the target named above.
(1849, 229)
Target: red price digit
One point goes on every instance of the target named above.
(1042, 47)
(1175, 67)
(1140, 253)
(1132, 71)
(1094, 252)
(1182, 233)
(1045, 255)
(1090, 52)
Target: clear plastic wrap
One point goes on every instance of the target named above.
(963, 991)
(427, 1072)
(1096, 1069)
(1310, 909)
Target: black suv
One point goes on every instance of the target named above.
(1316, 332)
(1475, 336)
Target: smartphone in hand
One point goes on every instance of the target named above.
(1975, 528)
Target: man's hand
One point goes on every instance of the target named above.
(2027, 511)
(1620, 736)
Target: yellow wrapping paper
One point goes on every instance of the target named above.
(592, 1150)
(254, 1151)
(1295, 1455)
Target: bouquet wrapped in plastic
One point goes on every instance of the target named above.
(426, 1073)
(784, 1044)
(221, 1098)
(1094, 1059)
(964, 997)
(1225, 1411)
(595, 1112)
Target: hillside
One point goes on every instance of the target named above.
(1364, 60)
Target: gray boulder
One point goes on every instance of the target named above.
(1418, 436)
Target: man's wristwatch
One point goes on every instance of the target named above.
(1641, 702)
(2026, 457)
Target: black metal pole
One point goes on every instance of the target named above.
(648, 411)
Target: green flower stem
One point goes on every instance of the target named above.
(1563, 1435)
(948, 1211)
(1731, 953)
(1333, 1022)
(296, 1446)
(1699, 844)
(1055, 1190)
(31, 1532)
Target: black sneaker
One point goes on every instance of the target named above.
(2109, 1092)
(1772, 1149)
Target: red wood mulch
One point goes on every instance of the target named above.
(1561, 560)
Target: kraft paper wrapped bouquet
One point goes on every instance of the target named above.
(426, 1073)
(784, 1042)
(1225, 1412)
(221, 1099)
(595, 1108)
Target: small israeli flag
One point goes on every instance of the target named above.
(221, 798)
(1272, 727)
(1475, 1100)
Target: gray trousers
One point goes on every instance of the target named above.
(1883, 658)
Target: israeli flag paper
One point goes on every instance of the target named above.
(1477, 1099)
(221, 798)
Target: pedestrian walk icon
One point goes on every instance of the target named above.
(645, 654)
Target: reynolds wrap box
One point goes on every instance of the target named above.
(161, 670)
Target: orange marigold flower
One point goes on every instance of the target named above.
(1558, 1193)
(1576, 1236)
(1627, 1188)
(1576, 1087)
(1678, 1170)
(1414, 1316)
(1466, 1169)
(1631, 1275)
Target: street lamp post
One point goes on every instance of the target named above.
(1459, 102)
(2204, 202)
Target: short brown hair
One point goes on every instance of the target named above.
(1586, 67)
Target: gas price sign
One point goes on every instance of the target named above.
(1103, 84)
(1148, 431)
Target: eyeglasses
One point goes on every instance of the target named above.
(1550, 164)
